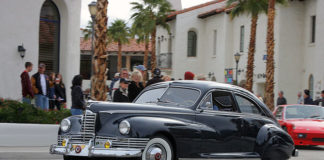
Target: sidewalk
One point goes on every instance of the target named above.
(34, 135)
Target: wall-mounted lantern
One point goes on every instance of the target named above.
(21, 50)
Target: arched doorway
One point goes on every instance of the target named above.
(311, 85)
(49, 36)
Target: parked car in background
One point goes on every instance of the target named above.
(182, 119)
(304, 123)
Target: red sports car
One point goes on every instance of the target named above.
(304, 123)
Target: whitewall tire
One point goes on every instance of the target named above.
(158, 149)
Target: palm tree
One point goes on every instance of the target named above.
(156, 12)
(98, 80)
(87, 32)
(141, 31)
(269, 90)
(119, 32)
(254, 8)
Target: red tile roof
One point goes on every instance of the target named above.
(222, 9)
(133, 46)
(174, 14)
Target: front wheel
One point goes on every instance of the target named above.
(158, 149)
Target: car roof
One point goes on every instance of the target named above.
(203, 85)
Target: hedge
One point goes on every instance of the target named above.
(16, 112)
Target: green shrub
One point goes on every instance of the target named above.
(17, 112)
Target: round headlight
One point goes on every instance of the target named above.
(124, 127)
(65, 125)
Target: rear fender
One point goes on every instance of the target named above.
(274, 141)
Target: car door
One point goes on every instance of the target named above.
(252, 120)
(221, 124)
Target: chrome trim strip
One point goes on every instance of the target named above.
(143, 111)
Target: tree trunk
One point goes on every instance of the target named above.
(153, 55)
(146, 53)
(98, 88)
(119, 63)
(269, 95)
(250, 63)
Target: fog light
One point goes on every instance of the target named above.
(301, 135)
(107, 145)
(64, 143)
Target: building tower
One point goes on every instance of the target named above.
(176, 4)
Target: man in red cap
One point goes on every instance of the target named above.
(189, 76)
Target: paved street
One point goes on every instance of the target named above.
(41, 153)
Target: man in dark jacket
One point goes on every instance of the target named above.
(307, 97)
(27, 91)
(281, 99)
(121, 94)
(156, 77)
(41, 88)
(321, 100)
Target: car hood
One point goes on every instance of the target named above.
(308, 124)
(122, 107)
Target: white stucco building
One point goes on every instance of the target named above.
(204, 40)
(49, 31)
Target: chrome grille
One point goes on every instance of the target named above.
(138, 143)
(88, 126)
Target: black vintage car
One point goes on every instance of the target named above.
(171, 120)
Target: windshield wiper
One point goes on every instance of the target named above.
(316, 116)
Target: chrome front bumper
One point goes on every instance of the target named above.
(88, 150)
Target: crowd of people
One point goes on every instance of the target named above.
(47, 90)
(302, 99)
(49, 93)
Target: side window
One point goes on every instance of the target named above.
(223, 101)
(207, 103)
(246, 106)
(279, 113)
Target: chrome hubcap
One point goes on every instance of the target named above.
(156, 152)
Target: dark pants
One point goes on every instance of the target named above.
(51, 104)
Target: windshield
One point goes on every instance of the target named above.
(151, 96)
(173, 96)
(304, 112)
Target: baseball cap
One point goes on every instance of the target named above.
(117, 75)
(123, 80)
(157, 72)
(141, 68)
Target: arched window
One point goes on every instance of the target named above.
(49, 35)
(311, 85)
(192, 44)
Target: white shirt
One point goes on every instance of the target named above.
(43, 83)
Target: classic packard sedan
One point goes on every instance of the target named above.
(181, 119)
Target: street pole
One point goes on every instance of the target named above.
(92, 48)
(236, 77)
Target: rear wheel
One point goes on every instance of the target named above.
(158, 149)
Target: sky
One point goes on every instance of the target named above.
(121, 9)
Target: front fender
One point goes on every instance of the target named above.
(273, 141)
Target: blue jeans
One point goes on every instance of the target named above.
(42, 101)
(26, 100)
(76, 111)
